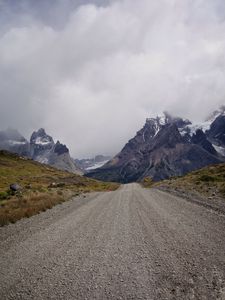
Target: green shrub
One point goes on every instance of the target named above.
(207, 178)
(6, 195)
(147, 182)
(3, 195)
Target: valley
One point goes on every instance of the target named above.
(112, 150)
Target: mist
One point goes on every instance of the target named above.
(90, 72)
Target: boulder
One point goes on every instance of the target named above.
(15, 187)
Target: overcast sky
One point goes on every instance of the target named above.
(90, 72)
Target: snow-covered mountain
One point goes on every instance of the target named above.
(88, 164)
(41, 148)
(167, 146)
(191, 128)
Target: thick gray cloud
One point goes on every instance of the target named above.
(91, 73)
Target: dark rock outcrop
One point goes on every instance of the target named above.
(60, 148)
(216, 133)
(200, 138)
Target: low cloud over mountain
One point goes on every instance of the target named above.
(103, 66)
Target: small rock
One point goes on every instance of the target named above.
(55, 185)
(52, 185)
(15, 187)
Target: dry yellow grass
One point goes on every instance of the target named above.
(209, 182)
(42, 187)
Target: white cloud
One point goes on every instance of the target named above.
(93, 81)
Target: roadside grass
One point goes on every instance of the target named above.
(147, 182)
(42, 187)
(209, 182)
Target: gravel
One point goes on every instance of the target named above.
(132, 243)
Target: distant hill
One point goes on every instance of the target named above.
(41, 187)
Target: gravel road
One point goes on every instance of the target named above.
(133, 243)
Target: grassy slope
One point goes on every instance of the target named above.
(35, 180)
(208, 182)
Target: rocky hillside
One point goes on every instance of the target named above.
(41, 148)
(207, 182)
(167, 146)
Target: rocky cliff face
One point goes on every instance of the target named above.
(165, 147)
(216, 132)
(44, 150)
(41, 148)
(61, 159)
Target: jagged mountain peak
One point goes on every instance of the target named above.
(40, 137)
(60, 148)
(168, 118)
(41, 131)
(154, 125)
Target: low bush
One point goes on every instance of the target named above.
(3, 195)
(207, 178)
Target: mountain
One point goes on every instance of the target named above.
(167, 146)
(44, 150)
(41, 148)
(12, 140)
(88, 164)
(213, 128)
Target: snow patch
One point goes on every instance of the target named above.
(11, 142)
(220, 150)
(161, 120)
(143, 136)
(42, 160)
(42, 141)
(192, 128)
(97, 165)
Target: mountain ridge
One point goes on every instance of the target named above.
(167, 146)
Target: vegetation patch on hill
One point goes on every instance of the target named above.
(40, 187)
(208, 182)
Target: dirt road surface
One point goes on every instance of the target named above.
(132, 243)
